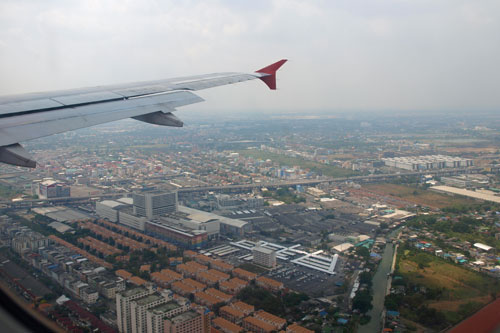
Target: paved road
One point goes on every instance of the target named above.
(379, 290)
(360, 179)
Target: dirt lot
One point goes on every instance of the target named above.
(418, 196)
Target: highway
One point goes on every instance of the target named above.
(242, 187)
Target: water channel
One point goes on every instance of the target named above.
(379, 288)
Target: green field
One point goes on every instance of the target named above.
(459, 291)
(8, 192)
(325, 169)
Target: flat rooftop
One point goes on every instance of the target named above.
(201, 216)
(466, 193)
(133, 292)
(160, 309)
(148, 299)
(184, 317)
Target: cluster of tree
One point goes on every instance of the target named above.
(8, 192)
(363, 252)
(362, 301)
(294, 299)
(262, 299)
(284, 194)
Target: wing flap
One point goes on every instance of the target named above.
(35, 125)
(16, 107)
(94, 97)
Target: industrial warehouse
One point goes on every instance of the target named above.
(427, 162)
(315, 261)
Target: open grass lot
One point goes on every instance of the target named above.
(463, 291)
(419, 196)
(8, 192)
(327, 170)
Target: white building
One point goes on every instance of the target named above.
(187, 322)
(107, 209)
(427, 162)
(154, 203)
(156, 316)
(264, 257)
(138, 310)
(89, 295)
(126, 217)
(123, 314)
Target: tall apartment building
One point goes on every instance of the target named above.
(154, 203)
(156, 316)
(123, 300)
(28, 241)
(139, 308)
(188, 322)
(264, 257)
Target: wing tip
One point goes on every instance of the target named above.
(270, 79)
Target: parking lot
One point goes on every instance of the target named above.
(306, 280)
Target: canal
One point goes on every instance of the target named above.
(379, 289)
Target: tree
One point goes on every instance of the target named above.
(392, 302)
(362, 301)
(366, 278)
(363, 252)
(431, 317)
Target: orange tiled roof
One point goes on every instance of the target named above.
(184, 287)
(189, 254)
(171, 273)
(197, 266)
(243, 272)
(229, 286)
(195, 284)
(219, 274)
(222, 264)
(270, 318)
(187, 269)
(226, 325)
(270, 282)
(239, 281)
(145, 268)
(232, 311)
(294, 328)
(211, 300)
(259, 323)
(210, 278)
(137, 280)
(123, 274)
(247, 308)
(219, 294)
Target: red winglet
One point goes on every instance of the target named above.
(270, 80)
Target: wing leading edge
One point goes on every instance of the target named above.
(30, 116)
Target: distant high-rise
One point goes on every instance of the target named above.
(154, 203)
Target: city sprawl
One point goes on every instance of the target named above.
(296, 224)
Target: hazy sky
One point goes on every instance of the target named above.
(344, 55)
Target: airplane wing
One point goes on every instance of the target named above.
(30, 116)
